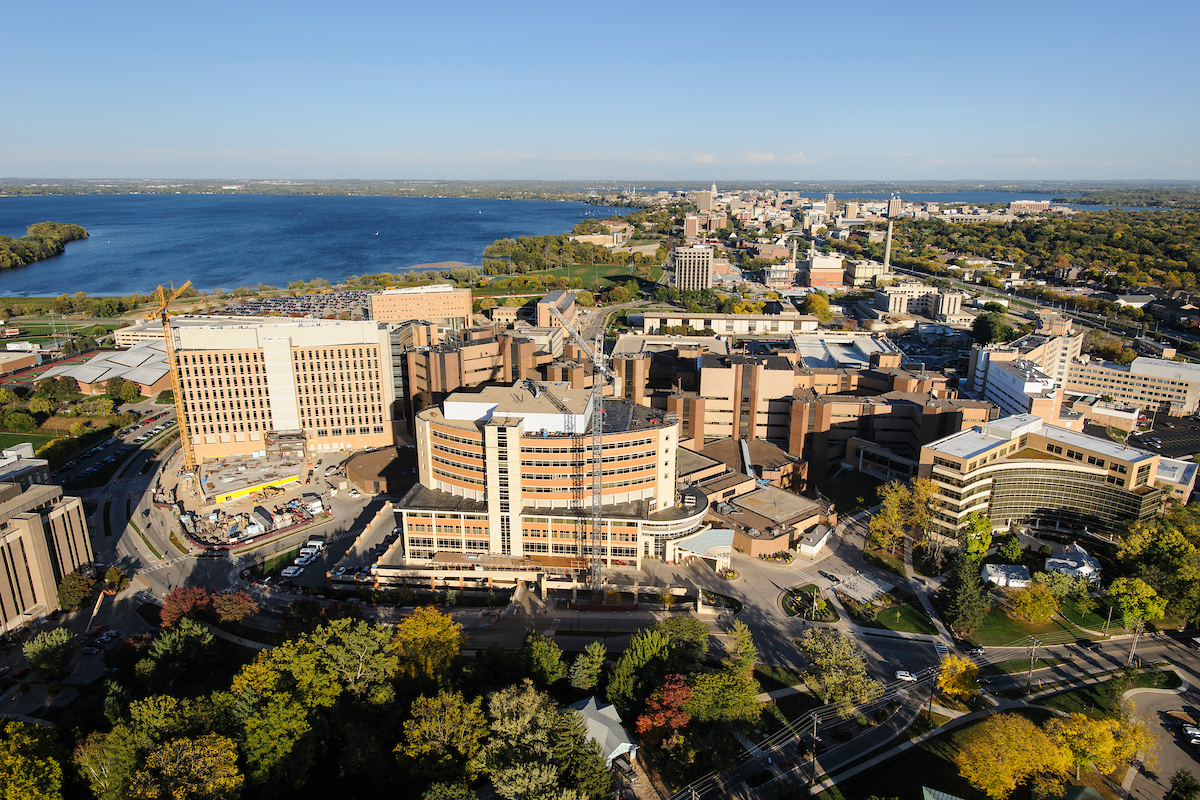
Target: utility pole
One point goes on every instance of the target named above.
(813, 756)
(1110, 608)
(1033, 646)
(1137, 632)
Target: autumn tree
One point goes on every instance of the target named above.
(1005, 751)
(664, 710)
(688, 637)
(886, 529)
(234, 606)
(537, 750)
(193, 602)
(640, 668)
(50, 652)
(958, 678)
(204, 768)
(29, 763)
(76, 589)
(1106, 743)
(585, 671)
(116, 579)
(443, 737)
(836, 671)
(542, 659)
(427, 643)
(1034, 603)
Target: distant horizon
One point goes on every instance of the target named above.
(623, 182)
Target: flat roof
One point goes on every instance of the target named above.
(689, 461)
(525, 397)
(977, 440)
(777, 505)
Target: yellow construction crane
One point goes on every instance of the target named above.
(163, 297)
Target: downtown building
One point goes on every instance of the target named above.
(693, 267)
(1020, 470)
(506, 482)
(43, 538)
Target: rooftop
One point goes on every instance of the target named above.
(981, 439)
(776, 505)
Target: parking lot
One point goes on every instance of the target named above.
(1174, 437)
(104, 455)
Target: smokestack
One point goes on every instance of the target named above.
(887, 251)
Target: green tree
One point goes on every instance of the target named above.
(966, 603)
(640, 668)
(689, 641)
(1010, 549)
(107, 761)
(427, 643)
(115, 578)
(41, 405)
(977, 536)
(448, 791)
(443, 737)
(990, 327)
(204, 768)
(1137, 600)
(542, 659)
(1184, 785)
(50, 652)
(20, 422)
(77, 429)
(130, 392)
(113, 386)
(723, 697)
(186, 649)
(76, 589)
(836, 672)
(29, 763)
(741, 654)
(356, 656)
(1034, 603)
(585, 671)
(7, 397)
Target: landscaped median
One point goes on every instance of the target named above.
(806, 601)
(896, 610)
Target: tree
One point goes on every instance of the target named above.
(1006, 750)
(689, 641)
(1010, 549)
(50, 652)
(542, 659)
(77, 429)
(1060, 584)
(356, 656)
(20, 422)
(193, 602)
(443, 736)
(7, 397)
(1184, 785)
(76, 589)
(1137, 600)
(130, 393)
(29, 764)
(1107, 743)
(640, 667)
(977, 536)
(966, 604)
(116, 579)
(1034, 603)
(741, 652)
(448, 791)
(723, 697)
(836, 672)
(234, 606)
(990, 328)
(113, 386)
(427, 643)
(886, 529)
(958, 679)
(585, 672)
(817, 304)
(536, 751)
(41, 405)
(664, 709)
(204, 768)
(185, 649)
(107, 761)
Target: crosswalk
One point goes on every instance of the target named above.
(168, 563)
(941, 649)
(801, 575)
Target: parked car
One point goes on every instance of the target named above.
(904, 675)
(91, 651)
(292, 572)
(976, 650)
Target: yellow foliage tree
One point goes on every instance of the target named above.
(1007, 750)
(427, 643)
(1035, 603)
(1106, 744)
(183, 769)
(959, 677)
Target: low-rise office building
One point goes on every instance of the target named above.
(1152, 384)
(441, 303)
(43, 538)
(784, 324)
(1021, 470)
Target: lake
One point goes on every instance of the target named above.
(140, 241)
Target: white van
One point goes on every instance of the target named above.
(316, 544)
(306, 551)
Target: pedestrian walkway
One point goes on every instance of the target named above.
(803, 577)
(921, 590)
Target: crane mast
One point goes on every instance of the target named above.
(600, 375)
(164, 297)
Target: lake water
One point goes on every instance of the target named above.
(140, 241)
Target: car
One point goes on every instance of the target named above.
(1092, 647)
(977, 650)
(111, 671)
(1191, 730)
(829, 576)
(91, 651)
(96, 630)
(904, 675)
(292, 572)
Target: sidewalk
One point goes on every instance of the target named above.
(921, 590)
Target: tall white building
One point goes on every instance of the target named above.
(693, 267)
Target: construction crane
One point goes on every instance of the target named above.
(163, 297)
(600, 375)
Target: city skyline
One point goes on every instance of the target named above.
(633, 93)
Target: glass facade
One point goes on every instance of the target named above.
(1075, 499)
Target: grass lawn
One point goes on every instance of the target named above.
(851, 492)
(273, 565)
(36, 439)
(1000, 630)
(771, 678)
(908, 618)
(1103, 699)
(885, 560)
(1094, 619)
(795, 706)
(1021, 665)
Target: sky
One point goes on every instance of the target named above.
(621, 90)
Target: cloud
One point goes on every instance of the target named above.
(794, 158)
(758, 157)
(703, 158)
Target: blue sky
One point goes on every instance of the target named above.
(627, 91)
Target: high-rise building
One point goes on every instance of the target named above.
(43, 538)
(442, 304)
(830, 205)
(693, 267)
(691, 226)
(704, 201)
(333, 383)
(893, 207)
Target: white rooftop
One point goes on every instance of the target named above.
(980, 439)
(846, 350)
(144, 363)
(1175, 471)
